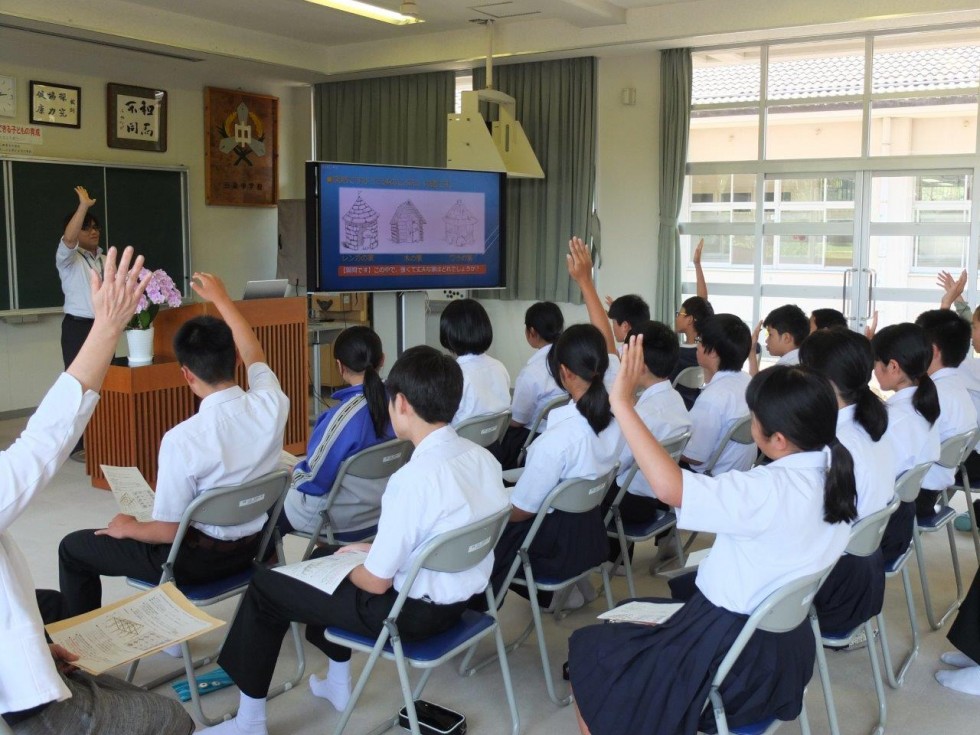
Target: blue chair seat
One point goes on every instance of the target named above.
(204, 591)
(650, 528)
(757, 728)
(349, 537)
(838, 640)
(896, 565)
(472, 623)
(939, 520)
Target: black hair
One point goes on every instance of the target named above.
(546, 319)
(728, 337)
(908, 346)
(828, 318)
(948, 332)
(431, 382)
(789, 319)
(698, 309)
(582, 350)
(206, 347)
(359, 350)
(90, 219)
(660, 348)
(630, 308)
(464, 328)
(800, 404)
(844, 358)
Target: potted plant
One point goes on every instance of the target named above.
(139, 332)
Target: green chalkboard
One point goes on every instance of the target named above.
(136, 206)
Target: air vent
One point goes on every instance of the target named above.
(502, 11)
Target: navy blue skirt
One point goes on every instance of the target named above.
(854, 592)
(655, 679)
(898, 532)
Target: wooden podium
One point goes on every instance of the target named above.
(140, 404)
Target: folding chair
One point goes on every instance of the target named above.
(554, 403)
(374, 463)
(907, 489)
(865, 540)
(633, 533)
(968, 491)
(951, 455)
(225, 506)
(782, 611)
(575, 495)
(486, 429)
(453, 551)
(689, 377)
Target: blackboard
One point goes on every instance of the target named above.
(142, 207)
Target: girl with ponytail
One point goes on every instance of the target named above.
(902, 355)
(855, 589)
(358, 421)
(773, 523)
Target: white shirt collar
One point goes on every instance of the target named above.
(944, 373)
(662, 387)
(845, 415)
(721, 375)
(460, 359)
(442, 435)
(221, 396)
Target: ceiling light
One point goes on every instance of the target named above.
(366, 10)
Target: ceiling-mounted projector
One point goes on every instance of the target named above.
(504, 147)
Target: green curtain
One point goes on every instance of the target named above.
(390, 120)
(556, 106)
(675, 119)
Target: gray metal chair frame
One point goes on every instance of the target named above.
(968, 491)
(486, 429)
(228, 506)
(374, 463)
(782, 611)
(865, 540)
(675, 448)
(575, 495)
(952, 452)
(907, 489)
(453, 551)
(689, 377)
(551, 405)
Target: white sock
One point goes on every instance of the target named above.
(249, 721)
(957, 659)
(962, 680)
(335, 686)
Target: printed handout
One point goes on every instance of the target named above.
(131, 491)
(645, 613)
(325, 573)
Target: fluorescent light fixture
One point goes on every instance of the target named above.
(366, 10)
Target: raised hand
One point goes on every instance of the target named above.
(116, 294)
(209, 287)
(623, 393)
(579, 261)
(83, 198)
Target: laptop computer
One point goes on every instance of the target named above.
(272, 289)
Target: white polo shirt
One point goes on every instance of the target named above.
(874, 463)
(720, 405)
(969, 371)
(486, 387)
(956, 415)
(234, 437)
(790, 358)
(534, 389)
(569, 448)
(663, 412)
(74, 268)
(911, 438)
(448, 483)
(769, 525)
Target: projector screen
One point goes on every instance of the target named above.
(398, 228)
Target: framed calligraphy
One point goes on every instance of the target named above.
(136, 118)
(56, 104)
(241, 148)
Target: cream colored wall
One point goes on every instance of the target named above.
(238, 243)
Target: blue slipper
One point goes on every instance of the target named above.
(206, 683)
(962, 522)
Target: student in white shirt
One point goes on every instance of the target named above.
(39, 690)
(722, 350)
(465, 330)
(773, 524)
(855, 590)
(902, 356)
(786, 328)
(627, 312)
(236, 436)
(535, 387)
(950, 339)
(448, 483)
(688, 321)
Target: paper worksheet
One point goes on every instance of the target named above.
(696, 557)
(132, 628)
(325, 573)
(287, 460)
(646, 613)
(131, 491)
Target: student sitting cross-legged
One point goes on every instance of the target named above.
(449, 483)
(235, 436)
(358, 421)
(773, 524)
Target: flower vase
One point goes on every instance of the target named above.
(140, 343)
